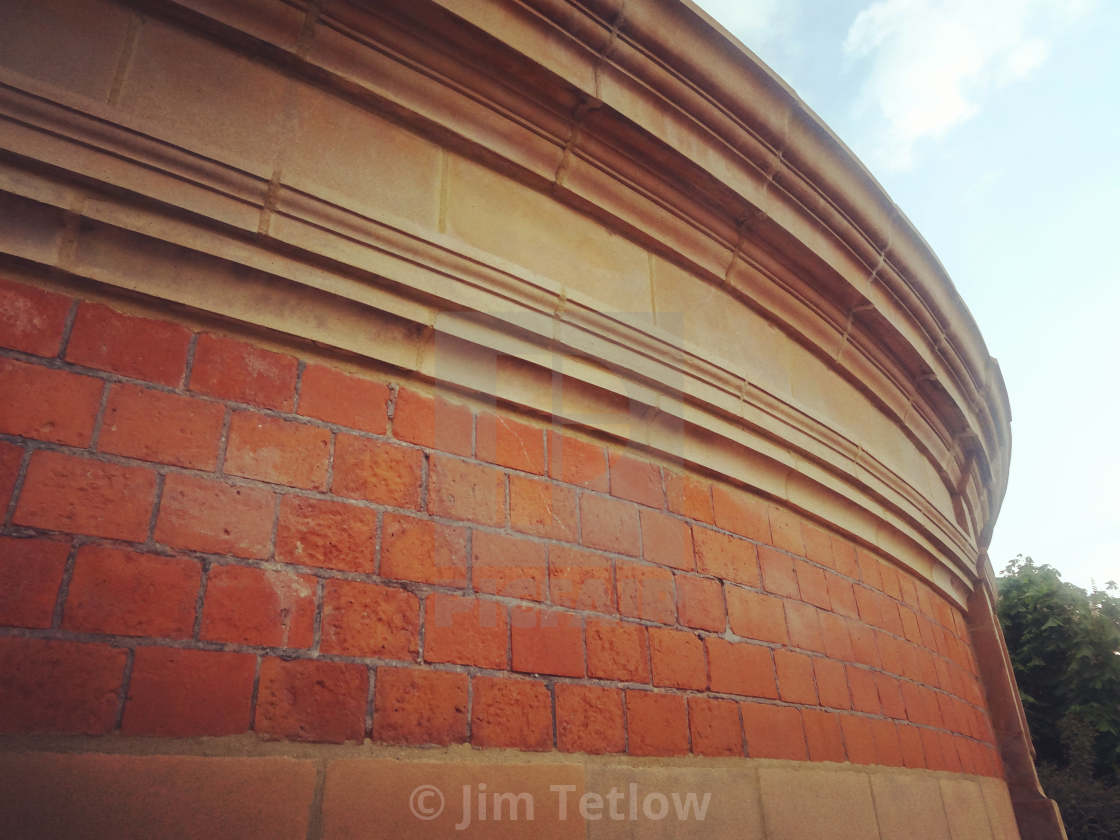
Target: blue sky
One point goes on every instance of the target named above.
(995, 126)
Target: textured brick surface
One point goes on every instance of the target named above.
(678, 659)
(326, 534)
(577, 462)
(311, 701)
(157, 426)
(233, 370)
(53, 405)
(609, 524)
(365, 619)
(30, 575)
(511, 713)
(503, 565)
(543, 508)
(278, 451)
(252, 606)
(580, 579)
(423, 551)
(32, 320)
(510, 443)
(589, 719)
(715, 726)
(142, 348)
(617, 650)
(656, 723)
(336, 397)
(433, 422)
(207, 515)
(546, 642)
(465, 491)
(416, 706)
(466, 631)
(667, 540)
(377, 472)
(725, 556)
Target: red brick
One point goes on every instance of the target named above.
(30, 575)
(785, 530)
(420, 706)
(837, 642)
(11, 457)
(577, 462)
(743, 669)
(510, 443)
(889, 696)
(888, 751)
(580, 579)
(679, 660)
(795, 677)
(646, 592)
(366, 619)
(543, 508)
(325, 534)
(510, 566)
(471, 492)
(932, 748)
(888, 614)
(869, 605)
(182, 693)
(859, 739)
(47, 404)
(811, 583)
(32, 320)
(667, 540)
(909, 589)
(546, 642)
(864, 691)
(741, 513)
(157, 426)
(336, 397)
(726, 557)
(910, 742)
(248, 606)
(589, 719)
(610, 524)
(804, 627)
(864, 648)
(869, 569)
(778, 574)
(53, 686)
(433, 422)
(511, 713)
(773, 731)
(306, 700)
(465, 631)
(636, 480)
(910, 627)
(207, 515)
(233, 370)
(844, 558)
(823, 735)
(378, 472)
(423, 551)
(715, 726)
(756, 616)
(617, 650)
(700, 603)
(832, 683)
(83, 496)
(127, 593)
(841, 596)
(818, 545)
(657, 723)
(889, 576)
(893, 653)
(129, 345)
(689, 496)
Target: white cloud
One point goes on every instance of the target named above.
(931, 64)
(756, 23)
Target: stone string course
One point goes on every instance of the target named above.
(202, 536)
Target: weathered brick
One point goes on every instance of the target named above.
(667, 540)
(577, 462)
(910, 742)
(11, 457)
(128, 593)
(367, 619)
(804, 627)
(308, 700)
(465, 631)
(589, 719)
(841, 596)
(336, 397)
(423, 551)
(83, 496)
(689, 496)
(511, 713)
(280, 451)
(433, 422)
(743, 669)
(715, 726)
(869, 569)
(864, 647)
(889, 576)
(157, 426)
(510, 566)
(657, 723)
(208, 515)
(778, 574)
(32, 320)
(773, 731)
(617, 650)
(811, 583)
(610, 524)
(679, 660)
(546, 642)
(834, 633)
(844, 558)
(182, 693)
(889, 696)
(741, 513)
(756, 616)
(646, 592)
(325, 534)
(46, 404)
(509, 443)
(143, 348)
(233, 370)
(864, 691)
(249, 606)
(378, 472)
(785, 530)
(725, 556)
(636, 480)
(30, 575)
(795, 677)
(51, 686)
(580, 579)
(832, 683)
(543, 508)
(465, 491)
(818, 545)
(823, 735)
(888, 751)
(420, 706)
(859, 739)
(700, 603)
